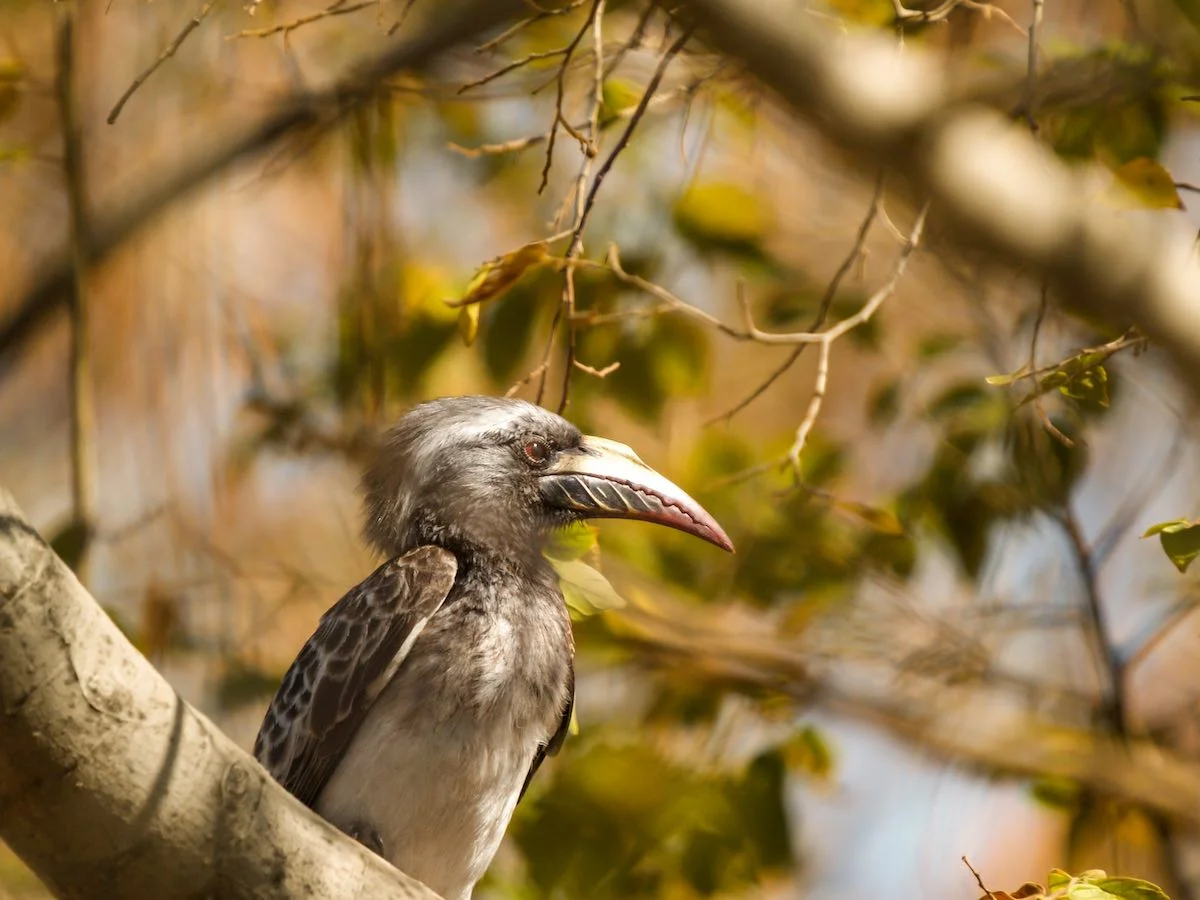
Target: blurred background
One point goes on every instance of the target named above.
(942, 634)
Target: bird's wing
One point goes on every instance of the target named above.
(341, 671)
(551, 747)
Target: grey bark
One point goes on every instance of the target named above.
(111, 786)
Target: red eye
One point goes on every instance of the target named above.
(536, 452)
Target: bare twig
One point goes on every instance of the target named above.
(1031, 73)
(831, 290)
(575, 247)
(634, 40)
(1038, 406)
(560, 90)
(979, 880)
(518, 144)
(337, 8)
(598, 373)
(399, 23)
(170, 50)
(512, 67)
(634, 119)
(520, 26)
(533, 373)
(859, 318)
(850, 322)
(1100, 629)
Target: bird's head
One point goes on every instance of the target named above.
(499, 475)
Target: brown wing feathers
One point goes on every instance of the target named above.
(340, 672)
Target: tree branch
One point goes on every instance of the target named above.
(112, 227)
(112, 786)
(997, 187)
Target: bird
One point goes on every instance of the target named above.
(430, 694)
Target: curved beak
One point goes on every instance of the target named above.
(604, 479)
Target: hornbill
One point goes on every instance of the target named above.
(416, 715)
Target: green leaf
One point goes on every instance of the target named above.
(809, 752)
(1056, 792)
(1058, 880)
(935, 345)
(1180, 540)
(586, 591)
(1131, 889)
(571, 543)
(1001, 380)
(1090, 385)
(884, 403)
(1096, 884)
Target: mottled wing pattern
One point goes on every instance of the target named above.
(556, 741)
(356, 650)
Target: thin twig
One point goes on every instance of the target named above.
(337, 8)
(1103, 641)
(633, 42)
(167, 53)
(979, 880)
(575, 247)
(863, 315)
(512, 67)
(598, 373)
(623, 140)
(859, 318)
(399, 23)
(518, 144)
(1031, 73)
(520, 26)
(559, 118)
(831, 290)
(1038, 406)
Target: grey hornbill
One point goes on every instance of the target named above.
(415, 716)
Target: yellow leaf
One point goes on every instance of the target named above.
(1143, 182)
(468, 323)
(617, 95)
(722, 216)
(423, 286)
(496, 276)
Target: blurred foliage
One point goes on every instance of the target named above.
(623, 821)
(619, 813)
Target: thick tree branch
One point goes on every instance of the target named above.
(1000, 190)
(113, 226)
(729, 646)
(111, 786)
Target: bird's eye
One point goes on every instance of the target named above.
(537, 452)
